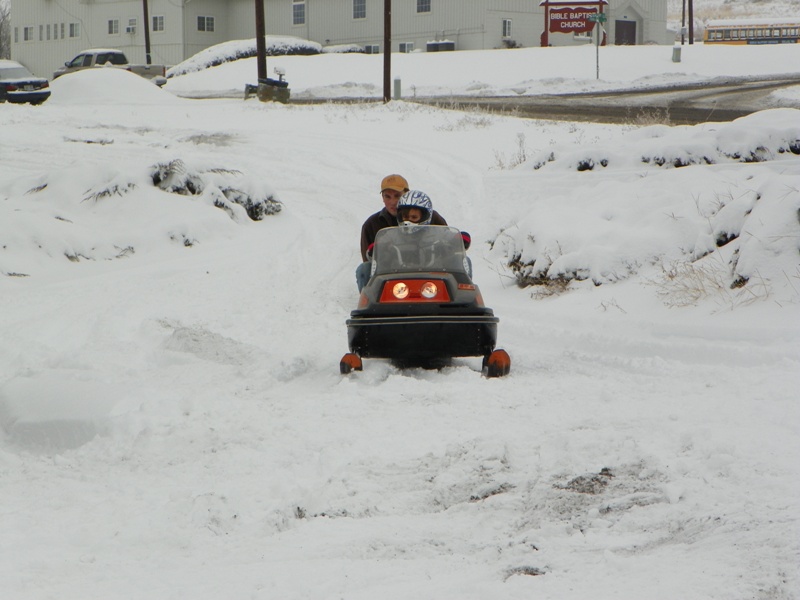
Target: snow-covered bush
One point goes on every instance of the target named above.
(225, 187)
(238, 49)
(706, 144)
(344, 49)
(720, 226)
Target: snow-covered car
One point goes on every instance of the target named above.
(420, 306)
(18, 85)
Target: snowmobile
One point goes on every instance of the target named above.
(420, 306)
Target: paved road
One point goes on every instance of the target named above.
(717, 100)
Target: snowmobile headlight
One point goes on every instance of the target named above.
(429, 290)
(407, 291)
(400, 290)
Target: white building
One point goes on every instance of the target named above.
(45, 33)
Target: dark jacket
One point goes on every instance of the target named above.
(383, 219)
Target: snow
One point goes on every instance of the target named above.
(172, 419)
(522, 71)
(107, 89)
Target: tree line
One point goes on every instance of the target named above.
(5, 30)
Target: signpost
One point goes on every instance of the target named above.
(598, 19)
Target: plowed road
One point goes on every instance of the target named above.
(716, 100)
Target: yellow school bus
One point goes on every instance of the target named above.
(752, 31)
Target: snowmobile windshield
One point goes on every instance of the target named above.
(420, 248)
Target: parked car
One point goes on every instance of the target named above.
(18, 85)
(106, 57)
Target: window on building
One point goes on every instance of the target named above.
(506, 27)
(359, 9)
(27, 34)
(298, 12)
(16, 35)
(62, 30)
(423, 6)
(158, 23)
(113, 27)
(406, 47)
(205, 24)
(372, 49)
(48, 31)
(41, 33)
(131, 26)
(74, 30)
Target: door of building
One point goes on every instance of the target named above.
(625, 33)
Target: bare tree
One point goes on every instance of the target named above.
(5, 30)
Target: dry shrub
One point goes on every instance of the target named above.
(686, 283)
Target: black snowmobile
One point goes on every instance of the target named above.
(420, 307)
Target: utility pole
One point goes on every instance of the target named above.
(147, 58)
(387, 50)
(261, 45)
(691, 21)
(683, 24)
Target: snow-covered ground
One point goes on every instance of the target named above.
(524, 71)
(172, 419)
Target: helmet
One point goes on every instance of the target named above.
(414, 199)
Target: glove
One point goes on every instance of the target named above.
(370, 248)
(467, 239)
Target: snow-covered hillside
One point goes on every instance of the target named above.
(173, 423)
(732, 9)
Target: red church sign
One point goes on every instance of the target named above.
(571, 20)
(571, 17)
